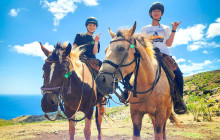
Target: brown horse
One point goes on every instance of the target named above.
(154, 98)
(66, 78)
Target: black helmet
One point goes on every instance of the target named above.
(157, 5)
(92, 20)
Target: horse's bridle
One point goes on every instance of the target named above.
(118, 66)
(58, 88)
(137, 57)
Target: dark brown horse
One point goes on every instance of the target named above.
(152, 93)
(67, 78)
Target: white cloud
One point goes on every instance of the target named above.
(90, 2)
(195, 67)
(193, 47)
(195, 38)
(61, 8)
(14, 12)
(33, 49)
(184, 36)
(207, 44)
(205, 52)
(214, 29)
(202, 44)
(180, 60)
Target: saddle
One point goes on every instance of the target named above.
(92, 63)
(94, 66)
(169, 65)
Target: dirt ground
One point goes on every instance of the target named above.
(119, 129)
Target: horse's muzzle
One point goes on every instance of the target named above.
(49, 103)
(104, 84)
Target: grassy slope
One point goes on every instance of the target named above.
(206, 82)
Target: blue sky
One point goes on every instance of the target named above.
(26, 22)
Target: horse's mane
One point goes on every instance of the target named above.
(146, 44)
(77, 52)
(143, 41)
(74, 57)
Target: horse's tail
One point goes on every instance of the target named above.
(174, 120)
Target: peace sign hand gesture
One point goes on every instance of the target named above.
(97, 37)
(175, 25)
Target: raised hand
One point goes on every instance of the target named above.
(175, 25)
(97, 37)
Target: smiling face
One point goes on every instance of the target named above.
(91, 27)
(156, 14)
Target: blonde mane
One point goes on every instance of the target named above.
(148, 46)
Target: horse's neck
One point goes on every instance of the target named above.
(147, 69)
(75, 79)
(78, 68)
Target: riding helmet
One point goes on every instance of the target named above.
(157, 5)
(92, 20)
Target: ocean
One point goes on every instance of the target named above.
(12, 106)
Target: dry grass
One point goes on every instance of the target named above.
(119, 126)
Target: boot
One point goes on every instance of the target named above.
(178, 103)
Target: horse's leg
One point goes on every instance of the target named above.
(71, 129)
(153, 122)
(136, 117)
(164, 131)
(160, 120)
(69, 113)
(169, 110)
(87, 129)
(100, 110)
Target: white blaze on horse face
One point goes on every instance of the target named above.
(51, 71)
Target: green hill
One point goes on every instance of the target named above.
(203, 83)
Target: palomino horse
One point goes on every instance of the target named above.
(66, 78)
(154, 98)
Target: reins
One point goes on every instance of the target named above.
(126, 84)
(49, 90)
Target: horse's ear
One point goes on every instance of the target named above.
(68, 49)
(131, 31)
(112, 34)
(46, 52)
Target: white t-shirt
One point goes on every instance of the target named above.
(159, 35)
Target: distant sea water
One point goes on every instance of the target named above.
(12, 106)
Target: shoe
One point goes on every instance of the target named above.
(180, 107)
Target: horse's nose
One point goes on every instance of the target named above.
(101, 79)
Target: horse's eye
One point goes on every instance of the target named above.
(121, 49)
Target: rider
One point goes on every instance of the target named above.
(162, 37)
(90, 44)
